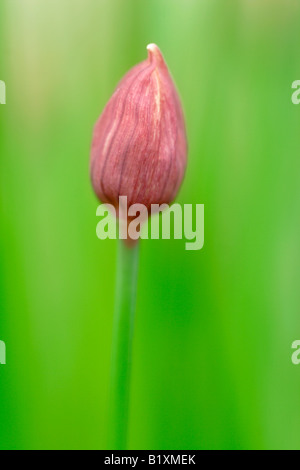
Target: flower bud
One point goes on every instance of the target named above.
(139, 145)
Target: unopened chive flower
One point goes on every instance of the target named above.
(139, 146)
(139, 150)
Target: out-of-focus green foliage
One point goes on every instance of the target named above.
(212, 349)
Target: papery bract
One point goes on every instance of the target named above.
(139, 145)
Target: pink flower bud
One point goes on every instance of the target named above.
(139, 145)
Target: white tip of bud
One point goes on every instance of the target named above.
(152, 47)
(155, 54)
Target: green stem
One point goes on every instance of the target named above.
(127, 267)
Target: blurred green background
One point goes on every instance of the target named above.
(212, 349)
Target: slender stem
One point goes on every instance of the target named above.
(127, 267)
